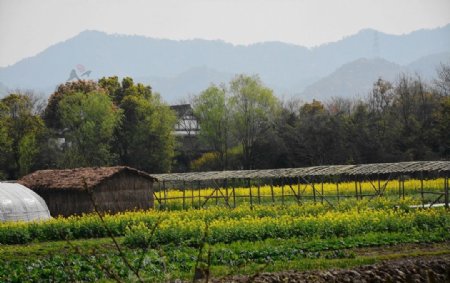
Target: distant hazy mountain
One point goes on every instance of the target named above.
(177, 68)
(426, 66)
(356, 78)
(191, 82)
(352, 79)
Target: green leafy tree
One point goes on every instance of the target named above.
(144, 139)
(212, 111)
(89, 121)
(253, 110)
(20, 128)
(51, 113)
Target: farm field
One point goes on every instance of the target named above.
(421, 191)
(165, 245)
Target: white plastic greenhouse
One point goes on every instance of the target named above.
(18, 203)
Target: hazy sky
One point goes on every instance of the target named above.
(28, 27)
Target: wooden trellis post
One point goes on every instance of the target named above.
(234, 195)
(225, 185)
(446, 192)
(184, 195)
(259, 192)
(250, 190)
(314, 193)
(192, 196)
(337, 191)
(356, 190)
(421, 189)
(360, 190)
(199, 196)
(321, 191)
(271, 191)
(165, 195)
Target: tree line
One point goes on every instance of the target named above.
(243, 125)
(86, 123)
(247, 127)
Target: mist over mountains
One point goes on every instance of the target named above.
(178, 68)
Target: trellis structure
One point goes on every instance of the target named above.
(290, 180)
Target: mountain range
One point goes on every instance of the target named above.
(177, 69)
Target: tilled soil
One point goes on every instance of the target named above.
(422, 269)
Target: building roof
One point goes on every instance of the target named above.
(76, 179)
(346, 171)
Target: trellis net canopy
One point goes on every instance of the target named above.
(18, 203)
(376, 170)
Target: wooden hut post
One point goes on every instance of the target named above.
(356, 190)
(399, 187)
(282, 191)
(298, 191)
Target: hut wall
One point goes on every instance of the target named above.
(123, 192)
(66, 202)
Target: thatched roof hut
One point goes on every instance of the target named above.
(74, 191)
